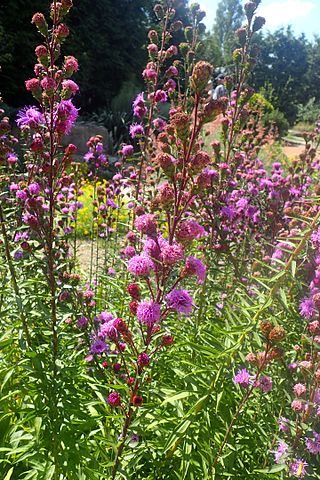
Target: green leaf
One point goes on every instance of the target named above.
(9, 474)
(273, 469)
(176, 397)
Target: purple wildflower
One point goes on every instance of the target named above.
(148, 312)
(105, 317)
(313, 445)
(30, 116)
(18, 255)
(265, 384)
(298, 468)
(181, 301)
(160, 96)
(140, 265)
(194, 266)
(88, 156)
(189, 230)
(243, 378)
(128, 252)
(12, 159)
(143, 359)
(136, 129)
(299, 389)
(159, 124)
(146, 224)
(108, 330)
(171, 253)
(21, 195)
(280, 452)
(283, 424)
(67, 114)
(19, 236)
(110, 203)
(139, 109)
(127, 150)
(82, 322)
(307, 308)
(152, 248)
(34, 188)
(99, 346)
(114, 399)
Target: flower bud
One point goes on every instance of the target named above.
(167, 340)
(237, 54)
(184, 48)
(143, 359)
(201, 74)
(242, 35)
(297, 406)
(36, 144)
(114, 399)
(213, 108)
(181, 123)
(250, 8)
(153, 50)
(33, 86)
(70, 65)
(166, 162)
(137, 400)
(172, 51)
(188, 33)
(42, 54)
(40, 22)
(277, 334)
(265, 327)
(177, 25)
(276, 353)
(153, 36)
(134, 291)
(71, 149)
(258, 23)
(65, 6)
(48, 84)
(62, 31)
(133, 306)
(158, 10)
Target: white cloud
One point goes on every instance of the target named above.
(284, 12)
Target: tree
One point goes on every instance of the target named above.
(106, 36)
(222, 41)
(312, 77)
(283, 64)
(18, 39)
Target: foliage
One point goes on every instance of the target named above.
(116, 123)
(221, 42)
(192, 329)
(277, 118)
(309, 112)
(283, 63)
(100, 36)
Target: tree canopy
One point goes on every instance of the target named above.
(284, 63)
(106, 36)
(222, 40)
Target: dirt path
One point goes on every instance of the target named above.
(293, 151)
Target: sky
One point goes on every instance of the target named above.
(302, 15)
